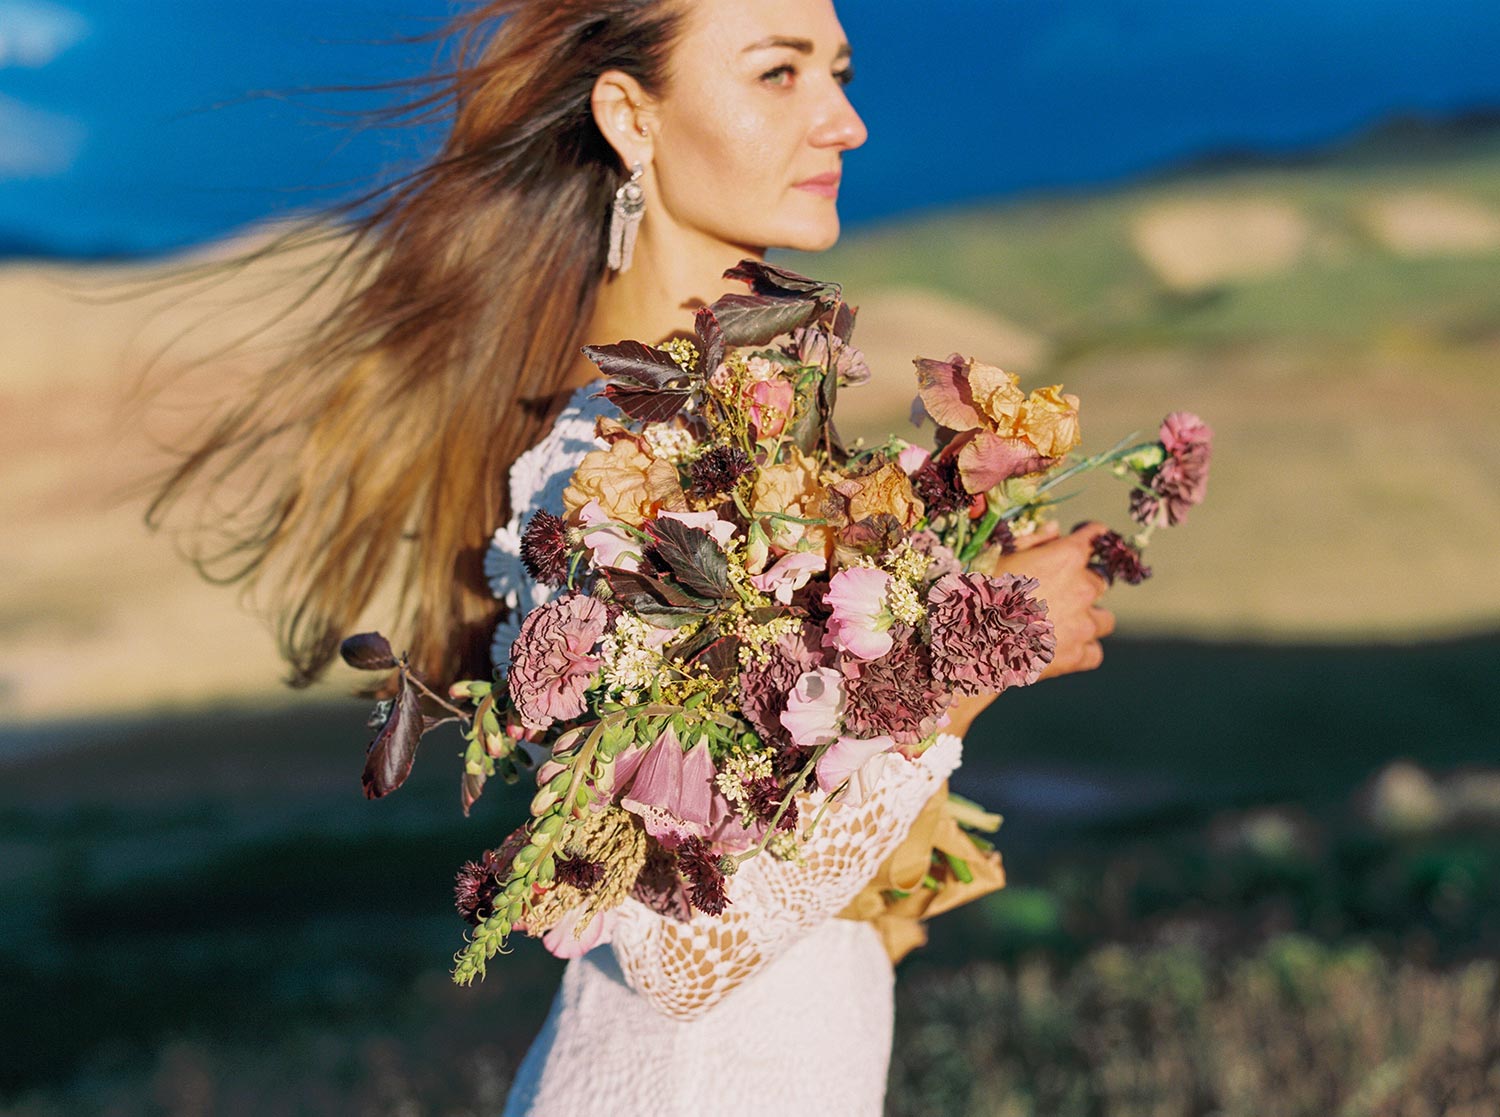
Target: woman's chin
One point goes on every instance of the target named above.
(812, 237)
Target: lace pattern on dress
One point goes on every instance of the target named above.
(537, 480)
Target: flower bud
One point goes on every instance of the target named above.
(543, 801)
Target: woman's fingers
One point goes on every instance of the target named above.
(1044, 534)
(1093, 655)
(1104, 622)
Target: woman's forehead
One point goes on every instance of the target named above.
(737, 28)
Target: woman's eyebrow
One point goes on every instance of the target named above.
(801, 46)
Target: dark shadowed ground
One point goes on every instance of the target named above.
(208, 899)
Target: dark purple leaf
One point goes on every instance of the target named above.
(473, 788)
(710, 341)
(637, 363)
(843, 322)
(721, 659)
(694, 559)
(368, 651)
(642, 592)
(647, 405)
(768, 279)
(689, 646)
(806, 429)
(757, 319)
(389, 759)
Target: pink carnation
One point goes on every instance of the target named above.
(551, 662)
(895, 696)
(860, 624)
(988, 633)
(1181, 481)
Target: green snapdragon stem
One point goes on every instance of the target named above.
(993, 516)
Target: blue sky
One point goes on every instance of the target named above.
(141, 125)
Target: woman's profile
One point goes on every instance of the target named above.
(607, 162)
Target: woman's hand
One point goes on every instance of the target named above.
(1072, 592)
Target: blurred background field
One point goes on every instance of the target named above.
(1254, 861)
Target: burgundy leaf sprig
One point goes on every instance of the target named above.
(400, 723)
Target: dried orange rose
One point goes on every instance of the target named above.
(629, 484)
(886, 490)
(1049, 421)
(793, 487)
(1001, 433)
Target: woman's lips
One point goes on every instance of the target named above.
(825, 185)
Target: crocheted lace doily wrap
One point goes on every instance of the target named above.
(684, 969)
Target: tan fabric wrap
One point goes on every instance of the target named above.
(899, 921)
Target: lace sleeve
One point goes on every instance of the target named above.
(685, 968)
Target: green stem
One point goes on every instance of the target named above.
(786, 802)
(992, 517)
(425, 689)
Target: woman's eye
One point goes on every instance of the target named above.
(844, 76)
(781, 75)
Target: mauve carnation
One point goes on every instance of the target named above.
(551, 662)
(895, 695)
(988, 633)
(1181, 481)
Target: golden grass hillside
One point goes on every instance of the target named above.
(1334, 320)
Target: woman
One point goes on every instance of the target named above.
(475, 283)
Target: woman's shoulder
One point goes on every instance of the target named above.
(540, 474)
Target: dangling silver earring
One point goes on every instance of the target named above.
(625, 220)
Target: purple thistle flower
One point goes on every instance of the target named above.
(1114, 558)
(477, 884)
(765, 794)
(659, 886)
(718, 471)
(939, 487)
(544, 549)
(988, 633)
(580, 872)
(701, 868)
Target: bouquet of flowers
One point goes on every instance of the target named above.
(748, 609)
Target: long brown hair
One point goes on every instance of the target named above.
(378, 452)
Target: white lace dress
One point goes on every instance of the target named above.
(775, 1007)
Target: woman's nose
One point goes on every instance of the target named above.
(840, 126)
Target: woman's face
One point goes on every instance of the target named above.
(751, 130)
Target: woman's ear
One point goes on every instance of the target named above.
(623, 112)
